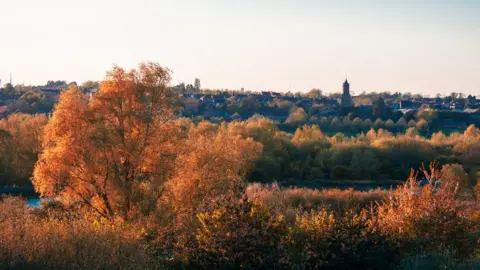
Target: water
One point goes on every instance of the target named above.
(35, 203)
(26, 192)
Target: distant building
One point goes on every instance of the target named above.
(51, 89)
(407, 104)
(457, 106)
(207, 99)
(346, 97)
(191, 105)
(220, 100)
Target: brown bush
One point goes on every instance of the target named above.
(428, 215)
(323, 239)
(241, 234)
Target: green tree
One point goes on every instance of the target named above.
(8, 90)
(422, 125)
(336, 124)
(390, 125)
(379, 123)
(363, 165)
(357, 124)
(412, 123)
(378, 108)
(197, 84)
(457, 177)
(454, 96)
(297, 117)
(314, 93)
(367, 124)
(402, 123)
(90, 85)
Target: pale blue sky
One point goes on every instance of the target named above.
(428, 47)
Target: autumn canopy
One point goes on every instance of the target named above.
(115, 151)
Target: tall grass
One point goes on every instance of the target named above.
(49, 240)
(273, 195)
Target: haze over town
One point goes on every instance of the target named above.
(405, 46)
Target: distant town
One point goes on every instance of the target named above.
(332, 112)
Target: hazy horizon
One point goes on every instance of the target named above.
(285, 45)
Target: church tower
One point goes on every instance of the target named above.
(346, 98)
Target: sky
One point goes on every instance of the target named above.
(426, 47)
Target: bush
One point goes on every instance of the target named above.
(429, 216)
(324, 240)
(456, 177)
(244, 234)
(476, 189)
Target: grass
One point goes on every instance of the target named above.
(364, 185)
(311, 198)
(56, 240)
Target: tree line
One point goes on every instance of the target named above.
(307, 154)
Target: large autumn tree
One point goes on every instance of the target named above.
(112, 150)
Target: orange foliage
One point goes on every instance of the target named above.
(20, 143)
(100, 150)
(209, 167)
(428, 213)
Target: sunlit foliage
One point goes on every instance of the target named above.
(20, 137)
(97, 150)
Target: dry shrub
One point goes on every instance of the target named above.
(240, 234)
(309, 239)
(322, 239)
(248, 234)
(50, 241)
(427, 215)
(456, 177)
